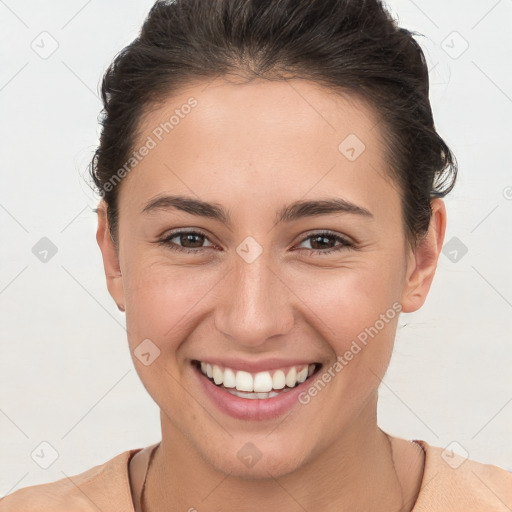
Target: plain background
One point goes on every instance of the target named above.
(66, 376)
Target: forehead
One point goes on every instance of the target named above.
(260, 111)
(262, 137)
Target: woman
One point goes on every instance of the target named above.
(271, 183)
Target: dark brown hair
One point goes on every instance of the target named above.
(350, 46)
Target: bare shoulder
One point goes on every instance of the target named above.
(56, 496)
(44, 497)
(451, 478)
(103, 487)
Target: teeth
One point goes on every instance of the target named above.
(291, 377)
(229, 380)
(262, 383)
(255, 396)
(303, 374)
(244, 381)
(218, 375)
(279, 380)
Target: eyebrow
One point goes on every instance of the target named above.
(294, 211)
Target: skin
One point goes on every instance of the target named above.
(254, 148)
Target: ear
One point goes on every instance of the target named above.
(423, 261)
(110, 258)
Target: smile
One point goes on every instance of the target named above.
(260, 385)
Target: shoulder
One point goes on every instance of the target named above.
(452, 482)
(104, 487)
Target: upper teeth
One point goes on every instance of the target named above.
(260, 382)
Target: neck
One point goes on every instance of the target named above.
(364, 470)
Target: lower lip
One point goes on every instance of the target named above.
(251, 409)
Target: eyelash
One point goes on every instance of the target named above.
(345, 243)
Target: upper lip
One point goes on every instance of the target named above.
(256, 366)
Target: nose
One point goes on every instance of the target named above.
(255, 305)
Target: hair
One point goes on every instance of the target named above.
(353, 47)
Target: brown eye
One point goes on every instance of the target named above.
(322, 243)
(186, 241)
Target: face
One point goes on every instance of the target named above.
(285, 250)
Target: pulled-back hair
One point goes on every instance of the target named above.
(350, 46)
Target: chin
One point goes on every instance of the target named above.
(267, 468)
(256, 459)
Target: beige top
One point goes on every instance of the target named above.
(116, 485)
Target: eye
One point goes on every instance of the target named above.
(323, 239)
(191, 241)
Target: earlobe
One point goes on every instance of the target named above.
(423, 262)
(110, 258)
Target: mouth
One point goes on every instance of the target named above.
(259, 385)
(254, 395)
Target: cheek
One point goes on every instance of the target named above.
(356, 314)
(161, 299)
(345, 302)
(162, 305)
(164, 301)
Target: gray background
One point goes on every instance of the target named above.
(66, 377)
